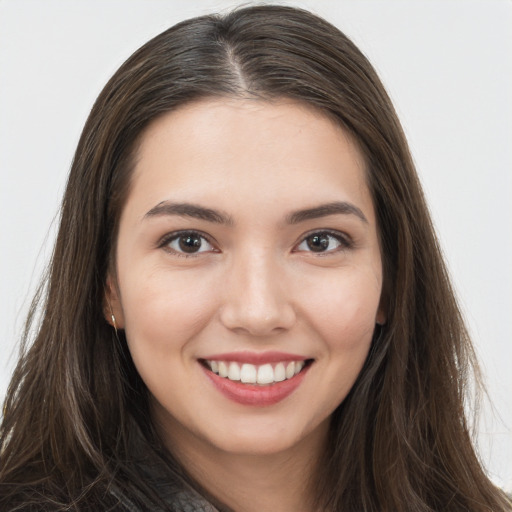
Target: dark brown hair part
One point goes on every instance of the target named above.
(398, 442)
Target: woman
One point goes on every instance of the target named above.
(246, 308)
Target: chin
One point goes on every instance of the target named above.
(267, 438)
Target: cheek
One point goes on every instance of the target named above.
(165, 309)
(341, 312)
(344, 308)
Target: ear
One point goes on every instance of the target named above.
(112, 308)
(382, 316)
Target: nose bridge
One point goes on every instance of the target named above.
(255, 294)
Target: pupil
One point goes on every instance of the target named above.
(318, 243)
(190, 243)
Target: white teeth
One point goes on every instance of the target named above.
(223, 369)
(248, 374)
(253, 374)
(265, 374)
(234, 371)
(279, 372)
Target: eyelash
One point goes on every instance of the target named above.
(176, 235)
(345, 242)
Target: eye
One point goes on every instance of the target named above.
(187, 242)
(322, 242)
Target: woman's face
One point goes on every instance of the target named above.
(249, 273)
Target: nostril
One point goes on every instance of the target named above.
(257, 321)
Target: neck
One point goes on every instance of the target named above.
(281, 482)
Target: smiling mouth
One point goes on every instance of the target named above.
(260, 375)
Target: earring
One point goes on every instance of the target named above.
(112, 317)
(114, 321)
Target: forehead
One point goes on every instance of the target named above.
(249, 152)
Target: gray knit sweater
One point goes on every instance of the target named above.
(177, 495)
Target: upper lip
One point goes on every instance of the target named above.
(256, 358)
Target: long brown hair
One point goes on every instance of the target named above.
(398, 442)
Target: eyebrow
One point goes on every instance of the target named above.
(166, 208)
(323, 210)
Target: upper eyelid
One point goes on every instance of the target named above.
(333, 232)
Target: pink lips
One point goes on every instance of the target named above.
(252, 394)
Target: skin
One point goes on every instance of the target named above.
(254, 285)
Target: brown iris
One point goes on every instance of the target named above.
(190, 243)
(318, 242)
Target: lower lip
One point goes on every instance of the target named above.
(257, 396)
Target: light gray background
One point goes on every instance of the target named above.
(446, 64)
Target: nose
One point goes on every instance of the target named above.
(256, 298)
